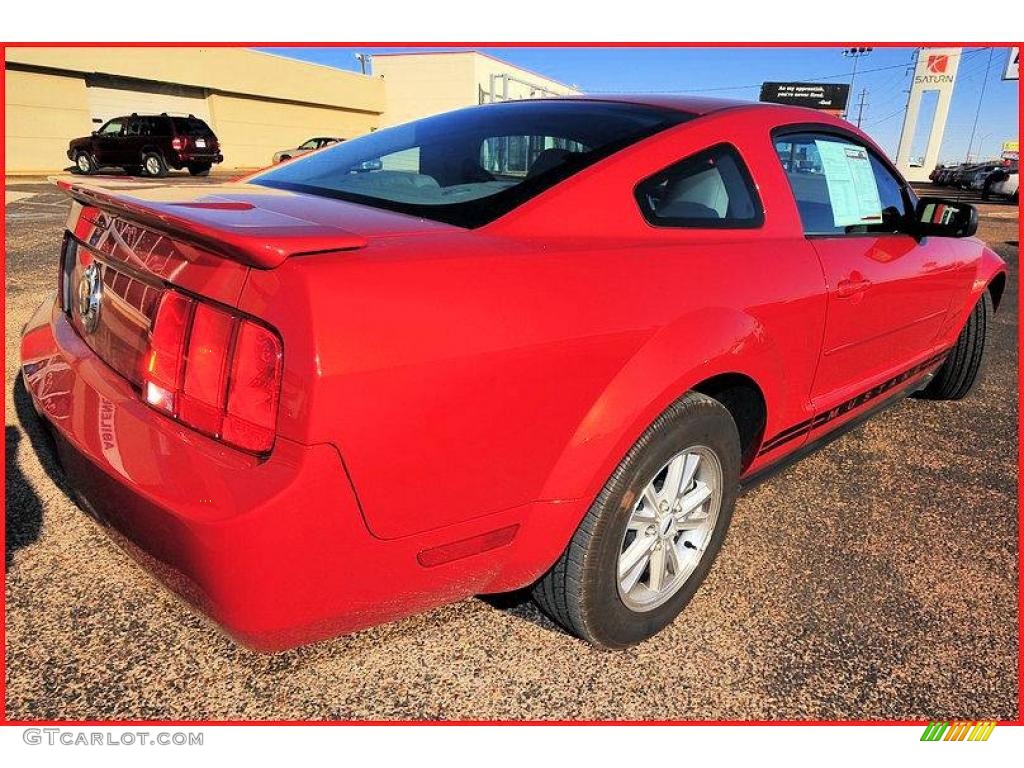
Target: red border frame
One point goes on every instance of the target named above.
(462, 45)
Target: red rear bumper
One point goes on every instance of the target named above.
(275, 550)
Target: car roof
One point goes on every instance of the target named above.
(696, 105)
(705, 105)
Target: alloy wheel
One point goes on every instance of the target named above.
(669, 528)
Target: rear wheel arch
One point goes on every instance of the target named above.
(746, 403)
(652, 379)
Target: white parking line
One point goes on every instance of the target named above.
(13, 197)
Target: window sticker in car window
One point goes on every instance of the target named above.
(851, 183)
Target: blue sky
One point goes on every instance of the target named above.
(738, 73)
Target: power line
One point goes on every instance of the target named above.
(962, 54)
(890, 116)
(977, 113)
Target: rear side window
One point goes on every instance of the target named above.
(712, 189)
(158, 126)
(190, 126)
(840, 186)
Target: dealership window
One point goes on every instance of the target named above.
(842, 187)
(711, 189)
(522, 156)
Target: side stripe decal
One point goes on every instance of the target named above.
(804, 427)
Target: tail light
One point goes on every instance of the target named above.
(214, 371)
(178, 143)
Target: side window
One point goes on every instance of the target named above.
(891, 193)
(840, 186)
(135, 126)
(112, 128)
(711, 189)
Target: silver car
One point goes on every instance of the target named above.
(305, 147)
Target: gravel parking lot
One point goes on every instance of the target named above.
(876, 579)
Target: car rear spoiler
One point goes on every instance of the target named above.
(224, 234)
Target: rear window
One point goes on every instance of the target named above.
(471, 166)
(190, 126)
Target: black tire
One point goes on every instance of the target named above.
(200, 169)
(959, 373)
(153, 164)
(581, 591)
(85, 164)
(283, 158)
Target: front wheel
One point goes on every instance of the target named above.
(959, 373)
(650, 537)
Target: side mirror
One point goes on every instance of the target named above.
(945, 218)
(95, 133)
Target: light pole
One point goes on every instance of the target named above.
(363, 59)
(855, 54)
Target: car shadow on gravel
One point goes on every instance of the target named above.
(23, 517)
(521, 605)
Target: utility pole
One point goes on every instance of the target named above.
(911, 68)
(363, 59)
(855, 54)
(861, 104)
(977, 112)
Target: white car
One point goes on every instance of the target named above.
(312, 145)
(1007, 186)
(976, 179)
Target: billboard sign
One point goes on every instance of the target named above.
(1012, 71)
(830, 96)
(1011, 150)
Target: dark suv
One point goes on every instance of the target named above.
(148, 144)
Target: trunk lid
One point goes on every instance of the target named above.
(254, 225)
(128, 242)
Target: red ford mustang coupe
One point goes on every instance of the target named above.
(535, 343)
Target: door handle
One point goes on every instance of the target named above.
(852, 285)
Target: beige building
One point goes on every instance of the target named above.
(422, 84)
(256, 103)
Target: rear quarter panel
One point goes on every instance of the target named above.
(465, 373)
